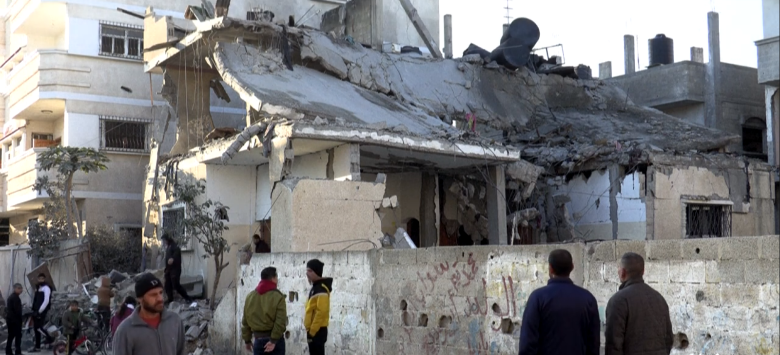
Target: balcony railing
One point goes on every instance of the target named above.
(769, 61)
(21, 173)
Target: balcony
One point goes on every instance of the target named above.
(20, 175)
(37, 18)
(769, 61)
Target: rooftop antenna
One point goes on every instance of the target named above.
(508, 9)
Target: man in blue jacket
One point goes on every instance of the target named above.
(560, 318)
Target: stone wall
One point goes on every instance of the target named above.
(722, 294)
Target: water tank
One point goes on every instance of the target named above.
(661, 49)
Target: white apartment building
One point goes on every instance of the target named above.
(72, 74)
(769, 75)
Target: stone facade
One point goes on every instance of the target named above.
(722, 294)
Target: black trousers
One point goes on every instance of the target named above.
(72, 341)
(172, 282)
(105, 316)
(38, 323)
(14, 338)
(317, 343)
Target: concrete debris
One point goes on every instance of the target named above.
(320, 121)
(402, 240)
(523, 171)
(380, 178)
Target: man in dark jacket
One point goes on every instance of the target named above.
(648, 330)
(150, 330)
(173, 269)
(41, 305)
(560, 318)
(14, 319)
(265, 316)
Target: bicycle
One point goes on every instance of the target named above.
(89, 342)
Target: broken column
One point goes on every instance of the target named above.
(345, 163)
(711, 105)
(496, 205)
(448, 36)
(605, 70)
(630, 58)
(697, 54)
(429, 210)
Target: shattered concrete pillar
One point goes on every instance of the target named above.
(429, 210)
(629, 54)
(697, 54)
(280, 159)
(615, 180)
(605, 70)
(346, 162)
(448, 36)
(191, 90)
(496, 205)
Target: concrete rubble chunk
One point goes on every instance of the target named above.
(380, 178)
(394, 201)
(402, 240)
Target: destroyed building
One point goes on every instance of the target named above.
(768, 50)
(343, 144)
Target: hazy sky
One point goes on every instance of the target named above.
(591, 31)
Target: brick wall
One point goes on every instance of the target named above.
(722, 294)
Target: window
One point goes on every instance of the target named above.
(753, 138)
(5, 232)
(123, 134)
(172, 223)
(120, 40)
(707, 221)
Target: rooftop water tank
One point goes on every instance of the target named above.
(661, 49)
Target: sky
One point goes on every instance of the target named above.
(591, 31)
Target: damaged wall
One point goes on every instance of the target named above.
(590, 204)
(406, 187)
(723, 294)
(674, 182)
(315, 215)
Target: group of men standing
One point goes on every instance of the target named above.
(15, 317)
(563, 318)
(264, 324)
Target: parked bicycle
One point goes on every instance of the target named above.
(89, 342)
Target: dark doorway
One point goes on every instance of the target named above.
(413, 229)
(753, 138)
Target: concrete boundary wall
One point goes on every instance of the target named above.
(722, 294)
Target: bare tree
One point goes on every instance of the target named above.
(205, 221)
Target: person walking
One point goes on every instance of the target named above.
(124, 312)
(151, 329)
(637, 316)
(173, 269)
(560, 318)
(317, 307)
(40, 307)
(265, 316)
(104, 293)
(14, 320)
(71, 324)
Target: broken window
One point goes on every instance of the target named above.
(172, 223)
(123, 134)
(121, 40)
(707, 221)
(753, 138)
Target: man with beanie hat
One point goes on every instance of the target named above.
(150, 329)
(265, 316)
(317, 307)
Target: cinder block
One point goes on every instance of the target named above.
(707, 294)
(739, 248)
(762, 271)
(656, 271)
(594, 275)
(712, 272)
(700, 249)
(407, 257)
(740, 295)
(731, 271)
(354, 258)
(770, 295)
(601, 251)
(664, 249)
(687, 271)
(635, 246)
(426, 255)
(611, 272)
(770, 247)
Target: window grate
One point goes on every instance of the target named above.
(707, 221)
(173, 222)
(124, 134)
(121, 40)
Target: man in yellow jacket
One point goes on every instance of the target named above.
(317, 307)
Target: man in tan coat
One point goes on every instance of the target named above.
(104, 293)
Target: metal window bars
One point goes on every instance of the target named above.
(121, 40)
(707, 221)
(124, 134)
